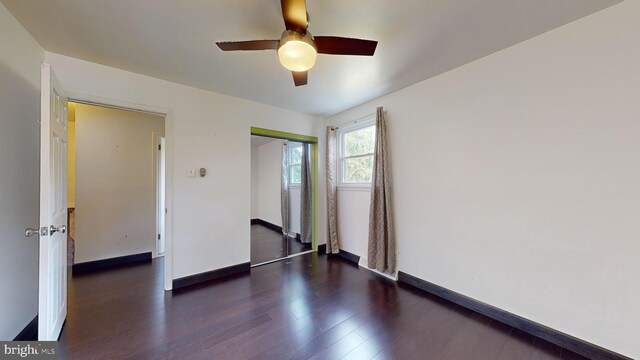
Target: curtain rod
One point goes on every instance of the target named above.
(353, 122)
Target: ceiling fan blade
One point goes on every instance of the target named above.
(300, 77)
(248, 45)
(335, 45)
(294, 13)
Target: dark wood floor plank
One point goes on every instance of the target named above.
(327, 339)
(493, 341)
(339, 348)
(427, 339)
(388, 326)
(366, 350)
(543, 350)
(381, 327)
(464, 342)
(518, 346)
(308, 307)
(268, 244)
(279, 341)
(234, 331)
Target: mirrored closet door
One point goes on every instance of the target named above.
(281, 199)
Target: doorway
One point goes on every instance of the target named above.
(116, 186)
(283, 195)
(110, 163)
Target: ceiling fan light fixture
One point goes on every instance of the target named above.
(297, 52)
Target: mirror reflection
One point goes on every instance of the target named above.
(280, 199)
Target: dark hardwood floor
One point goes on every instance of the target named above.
(267, 245)
(308, 307)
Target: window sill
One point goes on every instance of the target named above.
(363, 188)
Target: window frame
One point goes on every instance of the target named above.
(290, 165)
(342, 131)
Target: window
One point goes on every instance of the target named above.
(295, 163)
(356, 147)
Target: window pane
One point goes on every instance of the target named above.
(296, 174)
(359, 142)
(358, 170)
(296, 155)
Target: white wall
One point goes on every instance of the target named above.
(115, 186)
(71, 155)
(353, 221)
(516, 178)
(207, 216)
(20, 57)
(269, 166)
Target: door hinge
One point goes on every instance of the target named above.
(158, 236)
(159, 146)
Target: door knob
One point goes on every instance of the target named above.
(29, 232)
(60, 229)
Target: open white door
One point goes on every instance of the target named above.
(52, 295)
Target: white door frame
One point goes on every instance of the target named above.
(159, 147)
(169, 136)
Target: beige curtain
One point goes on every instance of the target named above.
(306, 193)
(332, 218)
(284, 189)
(382, 246)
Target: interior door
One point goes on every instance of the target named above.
(52, 295)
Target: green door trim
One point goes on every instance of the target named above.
(283, 135)
(314, 170)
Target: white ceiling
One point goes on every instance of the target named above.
(174, 40)
(260, 140)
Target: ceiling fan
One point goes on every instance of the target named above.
(297, 48)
